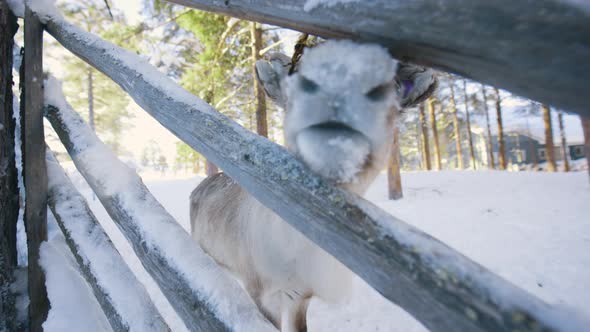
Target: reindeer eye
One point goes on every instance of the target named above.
(307, 85)
(379, 93)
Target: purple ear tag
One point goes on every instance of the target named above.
(408, 86)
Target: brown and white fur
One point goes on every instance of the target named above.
(341, 106)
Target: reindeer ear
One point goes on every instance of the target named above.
(417, 83)
(270, 73)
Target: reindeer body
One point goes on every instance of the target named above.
(339, 121)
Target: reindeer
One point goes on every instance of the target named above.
(340, 107)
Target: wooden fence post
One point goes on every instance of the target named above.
(35, 173)
(8, 174)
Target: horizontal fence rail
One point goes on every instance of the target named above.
(440, 287)
(122, 297)
(538, 49)
(205, 297)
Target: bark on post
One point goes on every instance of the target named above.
(35, 173)
(424, 138)
(456, 129)
(549, 146)
(586, 129)
(468, 120)
(394, 179)
(261, 122)
(432, 113)
(502, 163)
(9, 203)
(491, 162)
(564, 150)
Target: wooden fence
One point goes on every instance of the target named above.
(440, 287)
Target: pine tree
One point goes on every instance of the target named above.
(564, 150)
(423, 128)
(468, 120)
(433, 125)
(86, 88)
(490, 148)
(457, 128)
(549, 150)
(502, 162)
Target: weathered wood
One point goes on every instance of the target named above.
(440, 287)
(9, 204)
(96, 256)
(35, 175)
(176, 270)
(536, 49)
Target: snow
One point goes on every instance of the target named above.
(21, 235)
(312, 4)
(17, 7)
(528, 227)
(129, 298)
(73, 305)
(160, 234)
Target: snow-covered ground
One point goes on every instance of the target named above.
(531, 228)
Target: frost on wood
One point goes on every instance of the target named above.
(204, 296)
(437, 285)
(124, 300)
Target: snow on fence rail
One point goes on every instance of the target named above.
(505, 43)
(205, 297)
(440, 287)
(122, 297)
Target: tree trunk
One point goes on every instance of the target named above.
(532, 147)
(394, 179)
(564, 152)
(491, 162)
(9, 204)
(549, 151)
(434, 133)
(90, 100)
(35, 172)
(457, 130)
(424, 139)
(586, 129)
(501, 146)
(210, 167)
(261, 122)
(467, 118)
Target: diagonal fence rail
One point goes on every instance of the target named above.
(123, 299)
(440, 287)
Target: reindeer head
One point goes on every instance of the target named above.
(341, 105)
